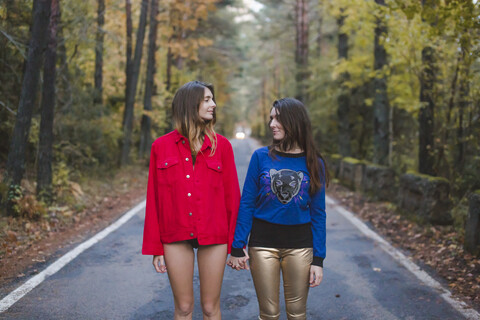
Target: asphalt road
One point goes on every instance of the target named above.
(112, 280)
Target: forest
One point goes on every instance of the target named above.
(86, 86)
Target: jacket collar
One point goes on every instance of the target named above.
(206, 142)
(178, 137)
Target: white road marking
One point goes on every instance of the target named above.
(18, 293)
(460, 306)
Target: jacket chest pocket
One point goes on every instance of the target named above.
(215, 169)
(168, 170)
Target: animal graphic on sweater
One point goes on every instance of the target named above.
(285, 183)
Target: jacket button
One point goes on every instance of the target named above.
(188, 176)
(189, 213)
(166, 163)
(189, 194)
(191, 234)
(183, 141)
(218, 168)
(186, 159)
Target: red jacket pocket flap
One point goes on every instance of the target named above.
(166, 163)
(215, 165)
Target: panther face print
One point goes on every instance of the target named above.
(285, 184)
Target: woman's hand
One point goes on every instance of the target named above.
(159, 264)
(239, 263)
(316, 275)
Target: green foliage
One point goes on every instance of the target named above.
(251, 62)
(451, 28)
(25, 205)
(62, 184)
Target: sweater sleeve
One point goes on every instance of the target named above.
(247, 207)
(318, 218)
(232, 190)
(152, 245)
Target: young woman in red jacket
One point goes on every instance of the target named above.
(193, 197)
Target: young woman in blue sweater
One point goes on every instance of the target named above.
(282, 214)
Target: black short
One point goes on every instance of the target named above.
(194, 243)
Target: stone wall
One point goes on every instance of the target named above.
(379, 182)
(351, 173)
(426, 196)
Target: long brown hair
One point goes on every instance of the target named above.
(185, 106)
(293, 116)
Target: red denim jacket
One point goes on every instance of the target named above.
(185, 201)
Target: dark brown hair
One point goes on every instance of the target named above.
(187, 121)
(293, 116)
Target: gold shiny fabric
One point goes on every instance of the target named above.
(265, 265)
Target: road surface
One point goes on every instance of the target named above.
(112, 280)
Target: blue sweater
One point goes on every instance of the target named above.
(276, 191)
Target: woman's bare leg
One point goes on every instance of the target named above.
(211, 265)
(180, 260)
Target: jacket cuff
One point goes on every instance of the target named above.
(237, 252)
(152, 250)
(317, 261)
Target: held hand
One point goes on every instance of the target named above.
(244, 260)
(159, 264)
(316, 275)
(239, 263)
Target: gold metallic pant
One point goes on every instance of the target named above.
(265, 265)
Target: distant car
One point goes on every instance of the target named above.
(240, 135)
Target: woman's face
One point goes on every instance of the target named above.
(276, 126)
(207, 106)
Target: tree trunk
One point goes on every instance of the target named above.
(343, 111)
(301, 52)
(146, 136)
(132, 87)
(128, 63)
(463, 105)
(64, 95)
(168, 80)
(45, 149)
(442, 159)
(97, 98)
(168, 87)
(380, 99)
(16, 156)
(426, 115)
